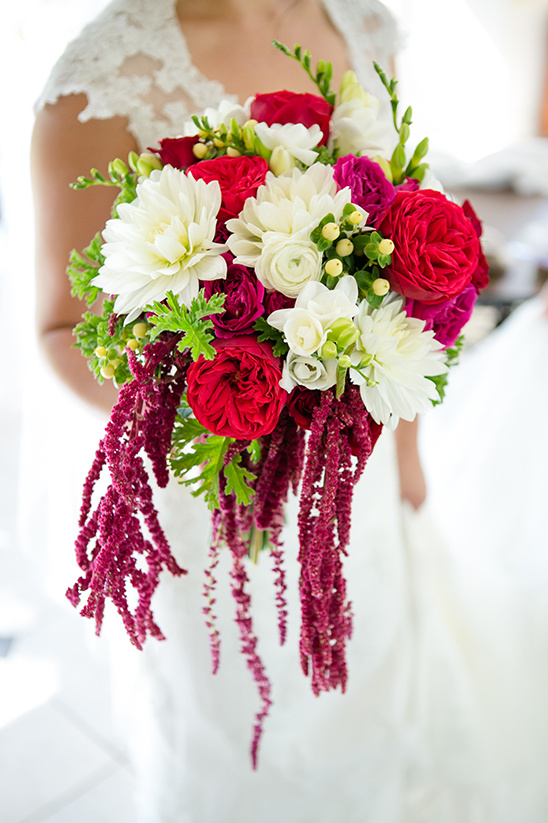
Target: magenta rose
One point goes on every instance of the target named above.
(436, 247)
(238, 393)
(274, 300)
(288, 107)
(177, 151)
(448, 318)
(243, 302)
(480, 278)
(368, 184)
(238, 177)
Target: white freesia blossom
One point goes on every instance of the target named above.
(281, 161)
(356, 128)
(303, 332)
(309, 372)
(162, 241)
(288, 205)
(395, 356)
(226, 112)
(296, 138)
(305, 326)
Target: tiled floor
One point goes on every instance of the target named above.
(60, 759)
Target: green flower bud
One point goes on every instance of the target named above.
(329, 350)
(147, 163)
(344, 361)
(117, 168)
(348, 337)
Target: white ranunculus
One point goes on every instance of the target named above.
(356, 128)
(288, 263)
(309, 372)
(162, 241)
(291, 204)
(303, 332)
(225, 112)
(395, 357)
(296, 138)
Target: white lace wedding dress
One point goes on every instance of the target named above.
(408, 742)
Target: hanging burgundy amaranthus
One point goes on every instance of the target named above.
(339, 428)
(112, 541)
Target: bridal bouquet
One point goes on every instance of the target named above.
(279, 283)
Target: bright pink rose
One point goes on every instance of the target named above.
(288, 107)
(238, 177)
(480, 278)
(368, 184)
(274, 300)
(436, 247)
(238, 393)
(448, 318)
(243, 302)
(177, 151)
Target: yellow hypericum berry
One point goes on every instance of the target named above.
(386, 246)
(108, 372)
(344, 361)
(133, 344)
(333, 267)
(115, 362)
(218, 142)
(330, 231)
(344, 247)
(231, 152)
(380, 286)
(199, 150)
(356, 217)
(100, 351)
(139, 330)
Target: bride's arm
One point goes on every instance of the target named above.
(63, 149)
(412, 482)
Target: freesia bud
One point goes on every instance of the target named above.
(281, 161)
(344, 361)
(118, 167)
(385, 166)
(147, 163)
(232, 152)
(329, 350)
(350, 89)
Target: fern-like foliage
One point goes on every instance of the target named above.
(193, 322)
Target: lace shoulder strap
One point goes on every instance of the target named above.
(132, 61)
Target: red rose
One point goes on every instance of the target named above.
(238, 177)
(177, 151)
(436, 247)
(288, 107)
(301, 405)
(480, 278)
(238, 393)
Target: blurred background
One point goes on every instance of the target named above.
(476, 74)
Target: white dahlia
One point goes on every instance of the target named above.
(162, 241)
(395, 357)
(286, 210)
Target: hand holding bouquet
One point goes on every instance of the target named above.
(282, 268)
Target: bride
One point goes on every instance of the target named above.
(406, 742)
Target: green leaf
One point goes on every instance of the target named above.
(452, 354)
(83, 268)
(236, 481)
(268, 334)
(193, 323)
(198, 462)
